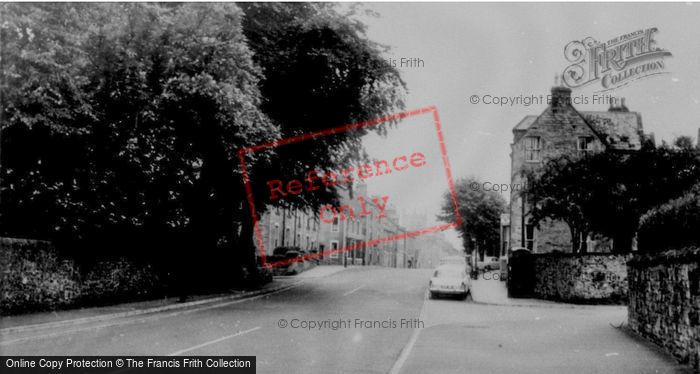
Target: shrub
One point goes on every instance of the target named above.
(673, 225)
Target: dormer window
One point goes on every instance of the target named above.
(584, 145)
(533, 148)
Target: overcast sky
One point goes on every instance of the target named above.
(512, 50)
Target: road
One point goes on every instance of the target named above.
(367, 307)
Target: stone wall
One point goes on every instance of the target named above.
(664, 301)
(34, 277)
(581, 278)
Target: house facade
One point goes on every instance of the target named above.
(295, 228)
(562, 130)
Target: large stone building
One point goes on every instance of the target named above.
(561, 129)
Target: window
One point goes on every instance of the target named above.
(334, 246)
(335, 226)
(287, 234)
(584, 144)
(529, 236)
(533, 147)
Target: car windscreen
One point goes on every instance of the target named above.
(448, 273)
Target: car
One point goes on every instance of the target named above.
(450, 280)
(490, 263)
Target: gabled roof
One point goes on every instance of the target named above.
(621, 130)
(618, 130)
(525, 123)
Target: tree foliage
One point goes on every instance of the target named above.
(124, 118)
(480, 212)
(320, 71)
(121, 122)
(673, 225)
(607, 192)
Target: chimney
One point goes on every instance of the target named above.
(617, 105)
(623, 107)
(561, 96)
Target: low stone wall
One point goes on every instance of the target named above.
(664, 301)
(581, 278)
(33, 277)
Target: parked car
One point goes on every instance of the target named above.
(450, 279)
(287, 252)
(492, 263)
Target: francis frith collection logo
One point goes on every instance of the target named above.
(614, 63)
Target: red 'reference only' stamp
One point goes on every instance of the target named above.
(362, 207)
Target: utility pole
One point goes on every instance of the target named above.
(284, 225)
(345, 244)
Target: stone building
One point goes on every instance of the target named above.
(289, 228)
(294, 228)
(561, 129)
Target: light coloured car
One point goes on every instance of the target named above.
(489, 263)
(492, 263)
(451, 279)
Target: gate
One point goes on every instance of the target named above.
(521, 273)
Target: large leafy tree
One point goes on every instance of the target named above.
(608, 192)
(320, 71)
(124, 119)
(480, 211)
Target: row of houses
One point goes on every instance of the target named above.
(280, 227)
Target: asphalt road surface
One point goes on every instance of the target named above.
(368, 320)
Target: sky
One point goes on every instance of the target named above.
(512, 50)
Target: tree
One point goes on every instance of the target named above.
(123, 122)
(608, 192)
(672, 225)
(480, 213)
(320, 71)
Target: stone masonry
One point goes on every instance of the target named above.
(664, 302)
(581, 278)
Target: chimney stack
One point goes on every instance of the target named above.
(617, 105)
(561, 96)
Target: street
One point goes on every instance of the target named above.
(351, 322)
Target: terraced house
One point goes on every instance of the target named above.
(562, 129)
(295, 228)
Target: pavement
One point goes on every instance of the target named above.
(35, 321)
(490, 290)
(366, 320)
